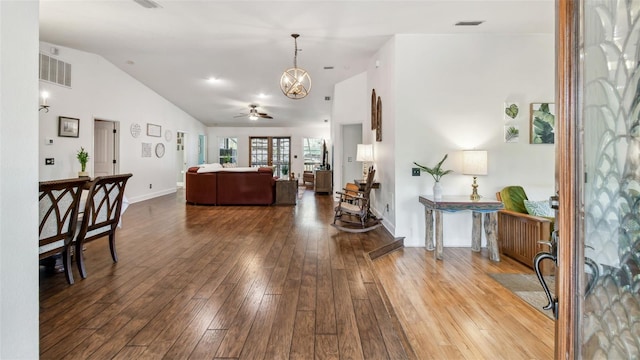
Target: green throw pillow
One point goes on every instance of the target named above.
(539, 208)
(513, 197)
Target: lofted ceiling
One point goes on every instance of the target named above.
(177, 48)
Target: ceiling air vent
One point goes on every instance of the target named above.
(469, 23)
(55, 71)
(148, 4)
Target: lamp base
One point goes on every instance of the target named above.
(474, 194)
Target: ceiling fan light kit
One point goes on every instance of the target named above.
(254, 114)
(295, 82)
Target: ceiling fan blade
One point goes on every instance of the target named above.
(265, 116)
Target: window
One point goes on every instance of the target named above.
(271, 151)
(312, 151)
(227, 150)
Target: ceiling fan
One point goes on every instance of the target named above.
(254, 114)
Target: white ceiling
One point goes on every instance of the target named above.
(247, 45)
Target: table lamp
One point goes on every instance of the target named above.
(364, 153)
(474, 162)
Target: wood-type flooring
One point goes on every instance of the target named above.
(278, 282)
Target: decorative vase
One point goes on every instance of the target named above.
(83, 174)
(437, 191)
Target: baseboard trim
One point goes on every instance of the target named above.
(396, 244)
(151, 196)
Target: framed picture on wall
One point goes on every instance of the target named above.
(542, 123)
(154, 130)
(68, 127)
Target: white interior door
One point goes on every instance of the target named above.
(104, 148)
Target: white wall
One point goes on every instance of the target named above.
(450, 95)
(243, 134)
(101, 90)
(19, 180)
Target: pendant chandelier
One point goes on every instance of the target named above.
(295, 82)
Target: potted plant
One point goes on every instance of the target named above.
(83, 157)
(437, 173)
(285, 170)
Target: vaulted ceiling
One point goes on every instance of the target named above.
(215, 58)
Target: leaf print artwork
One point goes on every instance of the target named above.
(511, 110)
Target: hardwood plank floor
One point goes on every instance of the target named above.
(278, 282)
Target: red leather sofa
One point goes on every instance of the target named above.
(230, 187)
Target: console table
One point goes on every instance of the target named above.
(461, 203)
(362, 183)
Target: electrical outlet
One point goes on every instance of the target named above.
(387, 208)
(415, 171)
(49, 161)
(150, 186)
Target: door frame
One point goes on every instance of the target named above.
(568, 173)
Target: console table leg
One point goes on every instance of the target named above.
(438, 235)
(428, 231)
(476, 231)
(490, 230)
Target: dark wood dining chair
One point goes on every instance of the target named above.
(58, 209)
(101, 215)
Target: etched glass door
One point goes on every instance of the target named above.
(608, 314)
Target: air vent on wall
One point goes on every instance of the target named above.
(469, 23)
(55, 71)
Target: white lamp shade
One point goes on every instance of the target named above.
(364, 152)
(474, 162)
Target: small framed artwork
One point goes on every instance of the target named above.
(542, 123)
(511, 133)
(68, 127)
(146, 150)
(511, 111)
(154, 130)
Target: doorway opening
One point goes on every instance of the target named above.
(181, 158)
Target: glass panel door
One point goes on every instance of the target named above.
(259, 151)
(281, 148)
(271, 151)
(609, 268)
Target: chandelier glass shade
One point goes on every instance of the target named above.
(295, 82)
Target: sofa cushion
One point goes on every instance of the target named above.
(539, 208)
(513, 198)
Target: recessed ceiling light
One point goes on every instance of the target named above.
(262, 95)
(212, 79)
(469, 23)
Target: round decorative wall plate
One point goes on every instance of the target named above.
(135, 130)
(160, 150)
(168, 135)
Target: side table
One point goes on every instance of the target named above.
(286, 192)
